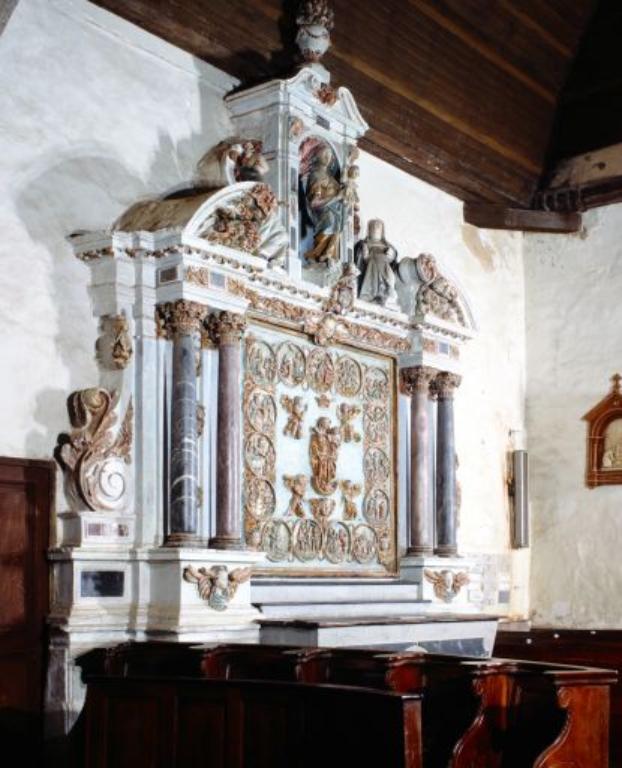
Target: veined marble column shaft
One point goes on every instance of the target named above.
(226, 330)
(184, 319)
(416, 383)
(446, 522)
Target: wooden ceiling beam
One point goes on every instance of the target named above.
(487, 216)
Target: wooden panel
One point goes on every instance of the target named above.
(461, 93)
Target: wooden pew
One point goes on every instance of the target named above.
(484, 713)
(595, 648)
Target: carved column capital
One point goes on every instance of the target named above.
(226, 328)
(181, 317)
(445, 384)
(416, 379)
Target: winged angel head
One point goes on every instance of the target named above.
(216, 585)
(446, 584)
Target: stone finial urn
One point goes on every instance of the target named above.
(315, 20)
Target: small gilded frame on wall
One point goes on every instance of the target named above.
(604, 439)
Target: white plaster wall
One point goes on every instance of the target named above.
(574, 346)
(96, 114)
(488, 266)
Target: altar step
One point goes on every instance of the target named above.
(463, 635)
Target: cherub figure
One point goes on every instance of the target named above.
(297, 484)
(446, 583)
(350, 491)
(216, 585)
(346, 413)
(295, 414)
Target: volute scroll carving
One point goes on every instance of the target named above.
(92, 456)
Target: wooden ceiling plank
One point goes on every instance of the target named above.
(484, 50)
(487, 216)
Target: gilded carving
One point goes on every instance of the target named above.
(260, 498)
(346, 413)
(92, 456)
(276, 540)
(323, 451)
(296, 410)
(447, 584)
(337, 545)
(308, 540)
(200, 420)
(198, 276)
(320, 370)
(445, 384)
(261, 362)
(349, 376)
(376, 507)
(376, 385)
(364, 546)
(322, 509)
(261, 411)
(323, 401)
(291, 364)
(260, 455)
(297, 485)
(180, 317)
(343, 293)
(114, 346)
(216, 585)
(226, 327)
(375, 423)
(417, 379)
(350, 491)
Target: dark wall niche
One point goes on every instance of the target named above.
(102, 583)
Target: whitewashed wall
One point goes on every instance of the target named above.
(95, 114)
(574, 346)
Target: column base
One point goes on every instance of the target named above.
(445, 550)
(419, 551)
(181, 540)
(223, 542)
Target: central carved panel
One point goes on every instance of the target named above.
(319, 461)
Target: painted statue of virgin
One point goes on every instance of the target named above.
(325, 205)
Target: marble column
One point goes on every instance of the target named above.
(416, 383)
(226, 330)
(183, 320)
(444, 386)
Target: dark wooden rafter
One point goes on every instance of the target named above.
(460, 93)
(489, 216)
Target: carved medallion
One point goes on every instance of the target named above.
(261, 411)
(291, 364)
(276, 540)
(376, 507)
(377, 467)
(260, 498)
(376, 384)
(323, 451)
(375, 423)
(337, 545)
(320, 370)
(349, 377)
(261, 363)
(260, 455)
(364, 545)
(308, 540)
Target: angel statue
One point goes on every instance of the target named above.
(376, 259)
(216, 585)
(446, 584)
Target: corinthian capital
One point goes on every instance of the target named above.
(181, 317)
(445, 384)
(226, 327)
(416, 379)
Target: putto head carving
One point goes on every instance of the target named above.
(315, 20)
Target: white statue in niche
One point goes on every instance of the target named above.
(612, 454)
(376, 259)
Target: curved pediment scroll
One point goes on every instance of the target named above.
(244, 217)
(423, 290)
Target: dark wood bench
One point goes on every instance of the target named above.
(596, 648)
(455, 712)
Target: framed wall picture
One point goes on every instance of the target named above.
(604, 438)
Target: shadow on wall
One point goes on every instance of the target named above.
(88, 188)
